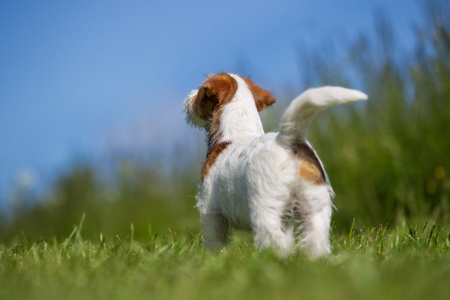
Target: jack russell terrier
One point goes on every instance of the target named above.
(266, 183)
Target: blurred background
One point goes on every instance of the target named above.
(91, 95)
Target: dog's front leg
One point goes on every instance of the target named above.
(215, 231)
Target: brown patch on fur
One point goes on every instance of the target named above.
(217, 90)
(262, 97)
(212, 156)
(310, 167)
(311, 173)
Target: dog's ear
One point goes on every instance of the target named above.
(216, 91)
(262, 97)
(205, 102)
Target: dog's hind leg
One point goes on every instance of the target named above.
(315, 215)
(215, 231)
(268, 229)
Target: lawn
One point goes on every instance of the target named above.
(388, 161)
(366, 263)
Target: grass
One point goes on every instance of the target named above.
(371, 263)
(388, 163)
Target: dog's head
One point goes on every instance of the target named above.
(216, 92)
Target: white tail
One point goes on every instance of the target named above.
(296, 118)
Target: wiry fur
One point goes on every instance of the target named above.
(262, 182)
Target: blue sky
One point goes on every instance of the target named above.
(82, 77)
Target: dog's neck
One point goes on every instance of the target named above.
(238, 120)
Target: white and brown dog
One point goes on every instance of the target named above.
(257, 181)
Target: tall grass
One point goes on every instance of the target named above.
(138, 195)
(388, 159)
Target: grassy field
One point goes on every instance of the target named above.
(373, 263)
(388, 161)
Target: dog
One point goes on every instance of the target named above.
(266, 183)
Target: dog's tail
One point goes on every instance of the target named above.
(296, 118)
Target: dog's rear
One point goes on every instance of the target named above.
(313, 194)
